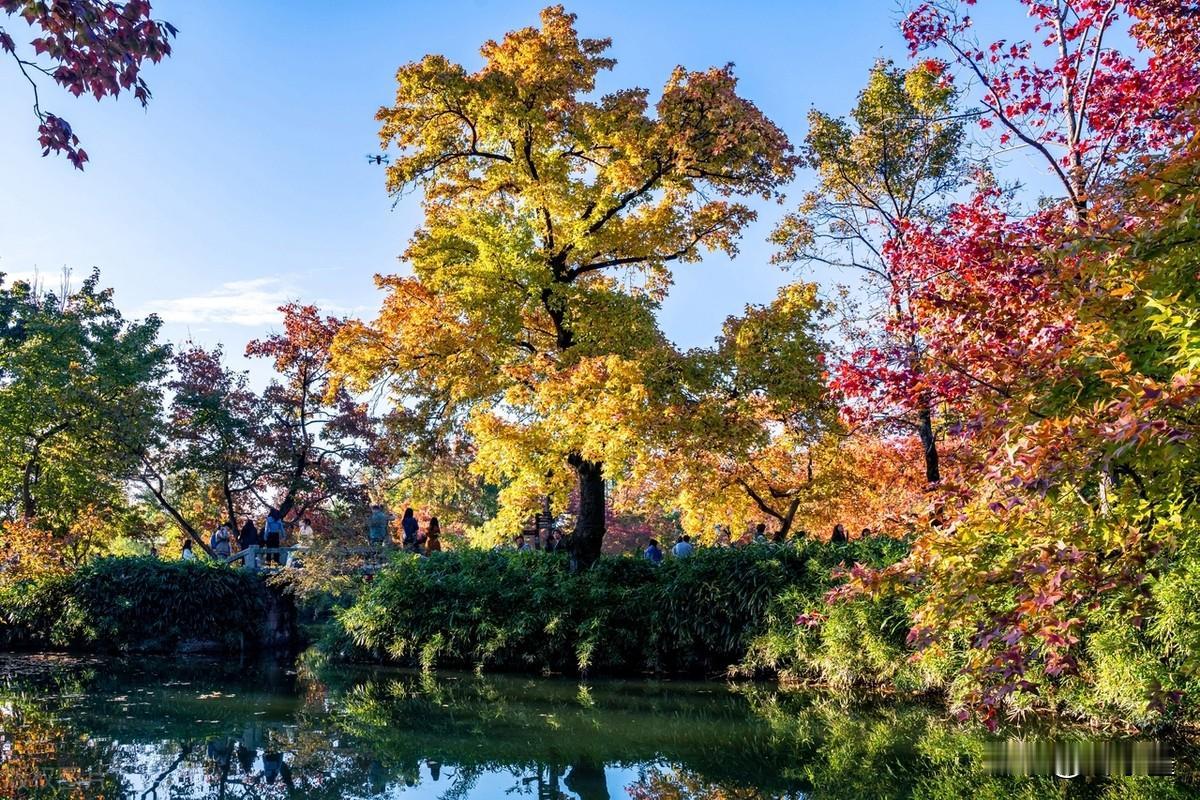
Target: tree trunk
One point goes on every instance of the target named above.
(229, 507)
(297, 477)
(589, 526)
(28, 504)
(929, 445)
(188, 529)
(785, 523)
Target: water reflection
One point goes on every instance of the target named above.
(155, 729)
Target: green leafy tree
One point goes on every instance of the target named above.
(80, 389)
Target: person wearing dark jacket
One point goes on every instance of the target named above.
(248, 537)
(411, 528)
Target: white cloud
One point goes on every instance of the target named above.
(47, 281)
(254, 302)
(29, 276)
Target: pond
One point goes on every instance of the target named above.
(145, 728)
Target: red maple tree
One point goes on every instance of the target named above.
(93, 47)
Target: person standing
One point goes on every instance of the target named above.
(433, 537)
(684, 547)
(273, 534)
(249, 535)
(305, 533)
(653, 553)
(225, 544)
(187, 554)
(219, 542)
(839, 535)
(377, 526)
(760, 533)
(410, 531)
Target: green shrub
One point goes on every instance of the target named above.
(860, 642)
(506, 610)
(709, 606)
(116, 604)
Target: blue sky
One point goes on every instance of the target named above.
(244, 184)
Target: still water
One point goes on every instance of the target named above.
(92, 728)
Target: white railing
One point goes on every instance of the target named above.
(259, 558)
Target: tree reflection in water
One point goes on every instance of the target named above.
(210, 729)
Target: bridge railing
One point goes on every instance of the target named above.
(259, 558)
(256, 556)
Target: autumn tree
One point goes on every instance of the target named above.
(1057, 339)
(895, 159)
(78, 384)
(552, 220)
(91, 47)
(225, 451)
(1067, 353)
(1067, 93)
(210, 445)
(747, 431)
(314, 434)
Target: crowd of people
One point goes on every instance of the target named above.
(684, 547)
(276, 535)
(653, 551)
(412, 538)
(227, 539)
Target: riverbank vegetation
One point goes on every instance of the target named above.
(1002, 402)
(121, 605)
(527, 611)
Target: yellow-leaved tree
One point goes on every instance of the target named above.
(552, 220)
(747, 433)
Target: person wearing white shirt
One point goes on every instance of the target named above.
(306, 532)
(684, 547)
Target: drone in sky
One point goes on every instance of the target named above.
(381, 158)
